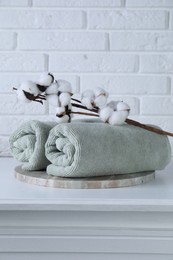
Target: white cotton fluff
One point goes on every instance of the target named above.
(100, 101)
(21, 96)
(63, 119)
(60, 110)
(121, 106)
(64, 99)
(52, 89)
(113, 105)
(30, 87)
(105, 113)
(64, 86)
(100, 91)
(88, 102)
(53, 100)
(118, 117)
(45, 79)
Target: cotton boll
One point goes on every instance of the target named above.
(113, 105)
(121, 106)
(64, 99)
(100, 91)
(88, 102)
(21, 96)
(60, 110)
(118, 117)
(64, 86)
(105, 113)
(30, 87)
(124, 115)
(53, 100)
(88, 93)
(100, 97)
(100, 101)
(63, 119)
(46, 79)
(52, 89)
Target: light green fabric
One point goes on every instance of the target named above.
(82, 149)
(27, 144)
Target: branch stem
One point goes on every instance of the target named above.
(149, 128)
(76, 100)
(83, 107)
(82, 113)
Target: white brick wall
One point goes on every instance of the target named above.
(57, 41)
(128, 19)
(124, 46)
(97, 62)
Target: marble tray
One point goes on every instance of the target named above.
(41, 178)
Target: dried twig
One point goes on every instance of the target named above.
(83, 107)
(147, 127)
(86, 114)
(76, 100)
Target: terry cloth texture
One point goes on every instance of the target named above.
(27, 144)
(80, 149)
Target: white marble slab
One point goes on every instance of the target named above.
(41, 178)
(156, 195)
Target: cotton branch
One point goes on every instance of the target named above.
(128, 121)
(58, 93)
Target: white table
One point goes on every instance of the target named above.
(47, 223)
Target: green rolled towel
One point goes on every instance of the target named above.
(27, 144)
(95, 149)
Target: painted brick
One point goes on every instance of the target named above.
(93, 62)
(9, 104)
(162, 63)
(157, 106)
(61, 40)
(22, 62)
(77, 3)
(149, 3)
(8, 40)
(141, 41)
(133, 85)
(4, 146)
(11, 3)
(128, 19)
(171, 20)
(41, 19)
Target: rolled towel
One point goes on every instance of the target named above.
(96, 149)
(27, 144)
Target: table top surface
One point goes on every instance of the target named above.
(156, 195)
